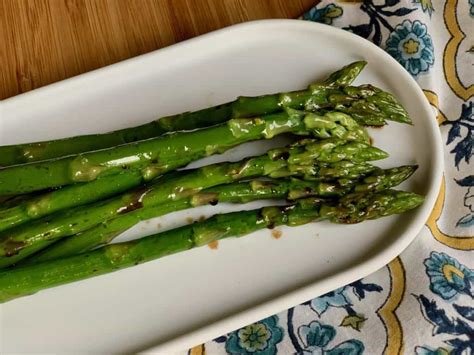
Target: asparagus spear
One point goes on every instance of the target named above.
(22, 241)
(67, 197)
(70, 196)
(367, 104)
(354, 208)
(81, 194)
(9, 201)
(30, 152)
(154, 156)
(240, 192)
(346, 75)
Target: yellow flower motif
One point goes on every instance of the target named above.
(260, 338)
(254, 336)
(334, 12)
(411, 46)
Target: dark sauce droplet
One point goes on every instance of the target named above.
(12, 247)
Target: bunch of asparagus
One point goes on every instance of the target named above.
(64, 201)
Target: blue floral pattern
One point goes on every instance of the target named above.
(316, 338)
(346, 320)
(340, 298)
(326, 14)
(258, 338)
(463, 127)
(448, 277)
(379, 15)
(467, 220)
(461, 334)
(336, 298)
(462, 132)
(411, 45)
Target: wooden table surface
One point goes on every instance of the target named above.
(43, 41)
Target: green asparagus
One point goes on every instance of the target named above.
(354, 208)
(367, 104)
(154, 156)
(30, 152)
(19, 242)
(7, 201)
(328, 151)
(241, 192)
(346, 75)
(70, 196)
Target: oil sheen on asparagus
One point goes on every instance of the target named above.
(312, 159)
(241, 192)
(242, 107)
(63, 202)
(353, 208)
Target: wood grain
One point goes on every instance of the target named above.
(43, 41)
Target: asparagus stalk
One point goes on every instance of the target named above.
(154, 156)
(81, 194)
(240, 192)
(36, 207)
(354, 208)
(9, 201)
(367, 104)
(17, 243)
(70, 196)
(30, 152)
(346, 75)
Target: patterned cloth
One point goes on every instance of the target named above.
(422, 302)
